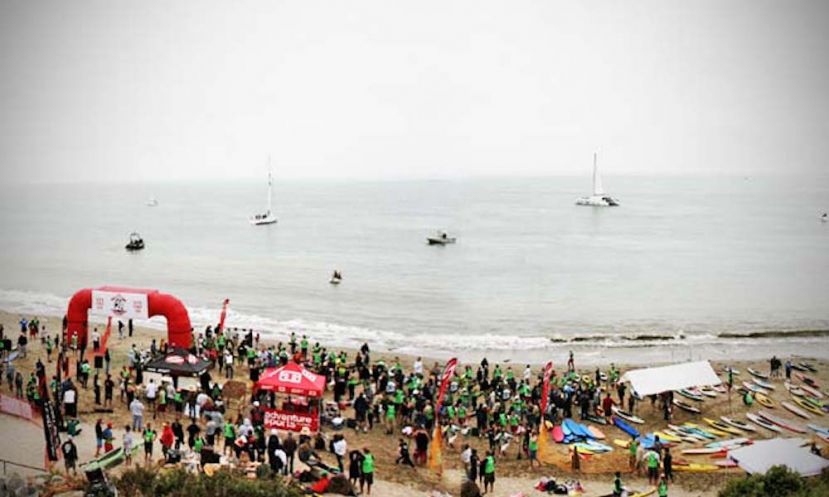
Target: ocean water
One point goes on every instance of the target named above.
(687, 267)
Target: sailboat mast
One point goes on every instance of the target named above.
(270, 194)
(594, 172)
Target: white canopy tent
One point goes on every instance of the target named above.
(762, 455)
(651, 381)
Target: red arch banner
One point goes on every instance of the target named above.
(158, 304)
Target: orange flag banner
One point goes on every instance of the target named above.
(543, 436)
(435, 451)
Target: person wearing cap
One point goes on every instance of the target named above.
(108, 437)
(70, 455)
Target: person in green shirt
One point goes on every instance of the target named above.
(662, 489)
(367, 473)
(149, 438)
(489, 472)
(632, 449)
(748, 399)
(653, 467)
(303, 346)
(533, 449)
(391, 414)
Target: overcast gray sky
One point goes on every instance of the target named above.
(116, 90)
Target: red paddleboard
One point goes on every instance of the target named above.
(558, 434)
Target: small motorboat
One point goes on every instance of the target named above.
(152, 202)
(135, 243)
(336, 278)
(440, 239)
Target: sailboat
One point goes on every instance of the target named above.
(153, 202)
(599, 198)
(267, 217)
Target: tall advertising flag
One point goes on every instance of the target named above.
(223, 315)
(435, 451)
(543, 438)
(50, 430)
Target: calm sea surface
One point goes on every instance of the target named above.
(680, 267)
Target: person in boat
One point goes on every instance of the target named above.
(443, 235)
(336, 275)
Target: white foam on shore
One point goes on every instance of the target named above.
(602, 348)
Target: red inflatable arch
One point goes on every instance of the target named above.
(158, 304)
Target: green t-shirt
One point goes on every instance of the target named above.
(653, 460)
(368, 464)
(489, 466)
(663, 489)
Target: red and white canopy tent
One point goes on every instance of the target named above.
(294, 380)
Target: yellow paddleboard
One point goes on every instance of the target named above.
(764, 400)
(621, 443)
(666, 436)
(646, 493)
(697, 468)
(805, 405)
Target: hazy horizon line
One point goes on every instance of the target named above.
(246, 179)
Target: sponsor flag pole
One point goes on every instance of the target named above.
(435, 452)
(543, 437)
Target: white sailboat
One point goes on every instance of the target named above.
(267, 217)
(599, 198)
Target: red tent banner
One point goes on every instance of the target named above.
(436, 450)
(291, 421)
(223, 316)
(292, 379)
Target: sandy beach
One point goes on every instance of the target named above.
(513, 475)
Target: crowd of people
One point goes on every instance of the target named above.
(491, 408)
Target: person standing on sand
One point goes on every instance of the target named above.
(533, 449)
(652, 461)
(489, 472)
(70, 455)
(618, 488)
(575, 461)
(127, 445)
(149, 438)
(668, 465)
(367, 471)
(632, 450)
(355, 462)
(662, 489)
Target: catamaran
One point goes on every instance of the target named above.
(267, 217)
(599, 198)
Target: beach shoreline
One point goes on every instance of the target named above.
(593, 349)
(400, 483)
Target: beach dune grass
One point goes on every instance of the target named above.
(144, 482)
